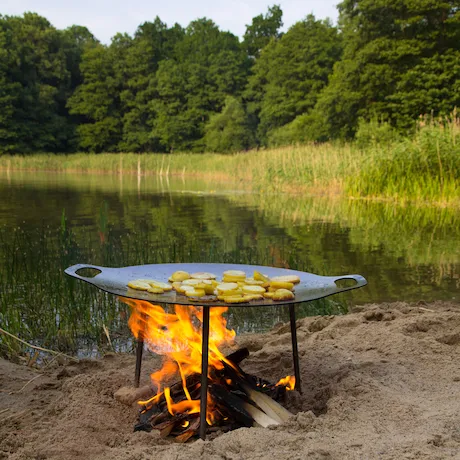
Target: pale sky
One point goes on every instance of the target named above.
(104, 18)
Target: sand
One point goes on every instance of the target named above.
(381, 382)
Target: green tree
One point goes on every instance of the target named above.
(291, 72)
(208, 65)
(35, 82)
(386, 41)
(152, 43)
(97, 99)
(262, 30)
(229, 131)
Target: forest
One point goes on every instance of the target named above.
(201, 89)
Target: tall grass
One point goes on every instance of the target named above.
(425, 167)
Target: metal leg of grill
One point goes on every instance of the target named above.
(295, 351)
(137, 372)
(204, 372)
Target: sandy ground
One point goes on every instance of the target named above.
(381, 382)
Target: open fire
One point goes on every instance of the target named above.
(235, 398)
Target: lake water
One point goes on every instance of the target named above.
(51, 221)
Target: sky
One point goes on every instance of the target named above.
(104, 18)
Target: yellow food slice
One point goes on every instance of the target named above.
(224, 287)
(222, 297)
(250, 297)
(139, 285)
(234, 299)
(182, 289)
(294, 279)
(195, 293)
(161, 285)
(179, 276)
(253, 282)
(192, 282)
(155, 290)
(269, 295)
(203, 276)
(176, 285)
(232, 279)
(236, 273)
(283, 294)
(281, 285)
(260, 277)
(253, 289)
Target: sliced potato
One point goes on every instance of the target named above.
(203, 276)
(250, 297)
(192, 282)
(226, 287)
(260, 277)
(182, 289)
(195, 293)
(179, 276)
(161, 285)
(268, 295)
(283, 294)
(176, 285)
(253, 289)
(140, 285)
(253, 282)
(281, 285)
(155, 290)
(232, 279)
(236, 273)
(294, 279)
(234, 299)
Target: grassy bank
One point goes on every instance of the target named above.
(425, 168)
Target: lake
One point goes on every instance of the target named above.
(51, 221)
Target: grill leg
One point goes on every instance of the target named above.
(204, 372)
(139, 351)
(137, 372)
(295, 351)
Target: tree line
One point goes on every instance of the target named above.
(199, 88)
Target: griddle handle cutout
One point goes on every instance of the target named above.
(74, 269)
(359, 281)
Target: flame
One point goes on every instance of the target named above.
(288, 382)
(177, 337)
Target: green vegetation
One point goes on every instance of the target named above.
(381, 164)
(168, 89)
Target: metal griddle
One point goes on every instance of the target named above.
(115, 281)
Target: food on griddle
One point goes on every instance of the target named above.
(294, 279)
(234, 288)
(179, 276)
(283, 294)
(203, 276)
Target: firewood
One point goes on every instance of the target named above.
(166, 427)
(237, 356)
(260, 418)
(268, 405)
(191, 430)
(231, 404)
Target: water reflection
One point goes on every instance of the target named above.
(51, 221)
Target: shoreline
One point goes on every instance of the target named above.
(312, 190)
(379, 382)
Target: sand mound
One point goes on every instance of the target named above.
(382, 382)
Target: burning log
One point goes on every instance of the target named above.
(236, 399)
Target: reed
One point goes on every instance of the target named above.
(425, 167)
